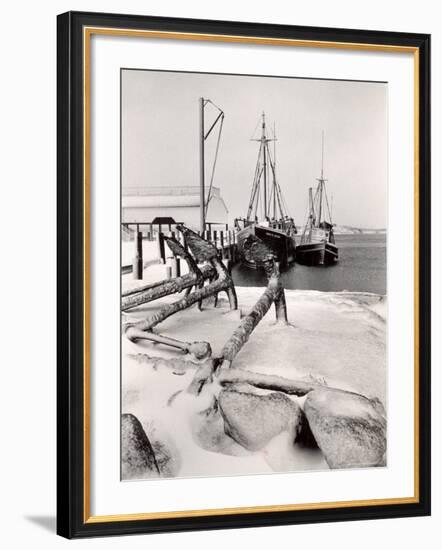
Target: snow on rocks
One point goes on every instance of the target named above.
(350, 429)
(253, 420)
(137, 456)
(337, 337)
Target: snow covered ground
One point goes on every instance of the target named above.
(339, 337)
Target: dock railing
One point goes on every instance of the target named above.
(220, 235)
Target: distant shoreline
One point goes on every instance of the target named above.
(349, 230)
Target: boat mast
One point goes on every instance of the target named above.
(264, 142)
(321, 181)
(274, 170)
(264, 164)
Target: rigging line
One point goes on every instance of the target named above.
(221, 115)
(258, 192)
(326, 202)
(252, 196)
(209, 194)
(283, 208)
(274, 142)
(275, 182)
(256, 180)
(271, 195)
(286, 208)
(307, 217)
(257, 203)
(306, 222)
(214, 104)
(315, 201)
(310, 216)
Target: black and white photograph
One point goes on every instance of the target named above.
(253, 274)
(220, 216)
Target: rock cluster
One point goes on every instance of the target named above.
(350, 429)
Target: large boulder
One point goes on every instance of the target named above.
(350, 429)
(252, 420)
(137, 456)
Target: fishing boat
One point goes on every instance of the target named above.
(317, 244)
(268, 219)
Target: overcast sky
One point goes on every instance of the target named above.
(160, 135)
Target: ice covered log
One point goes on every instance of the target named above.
(167, 310)
(267, 381)
(148, 293)
(274, 293)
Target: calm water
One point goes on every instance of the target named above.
(361, 268)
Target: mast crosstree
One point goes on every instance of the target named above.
(268, 221)
(317, 246)
(318, 204)
(266, 193)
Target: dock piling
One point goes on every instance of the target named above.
(137, 263)
(161, 250)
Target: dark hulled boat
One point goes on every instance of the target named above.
(318, 248)
(267, 216)
(317, 245)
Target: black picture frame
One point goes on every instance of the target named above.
(72, 520)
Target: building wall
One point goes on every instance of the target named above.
(188, 215)
(181, 206)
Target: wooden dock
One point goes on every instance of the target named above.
(223, 238)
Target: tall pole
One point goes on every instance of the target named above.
(263, 139)
(321, 180)
(274, 171)
(202, 171)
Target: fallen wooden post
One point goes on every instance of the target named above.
(154, 291)
(206, 271)
(198, 295)
(267, 381)
(273, 294)
(205, 251)
(199, 350)
(180, 251)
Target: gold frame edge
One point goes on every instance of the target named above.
(87, 33)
